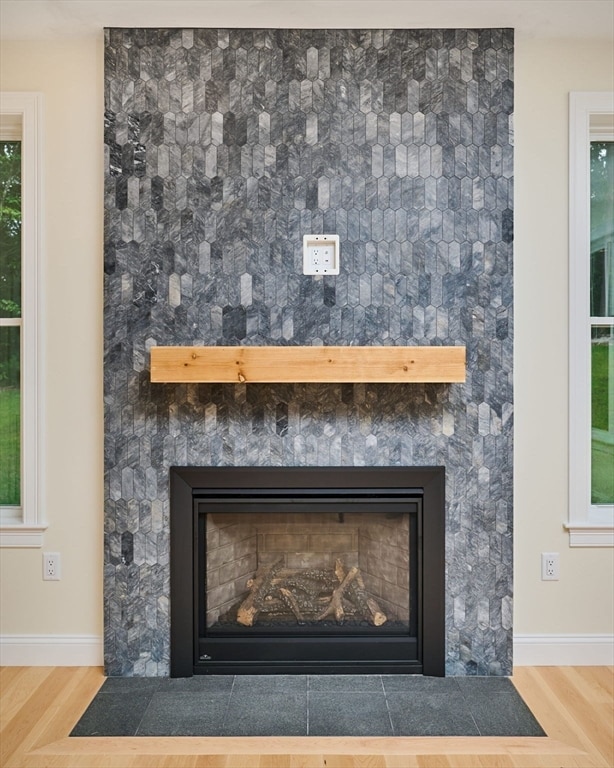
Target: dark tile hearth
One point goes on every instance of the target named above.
(308, 705)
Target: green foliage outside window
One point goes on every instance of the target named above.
(602, 334)
(10, 307)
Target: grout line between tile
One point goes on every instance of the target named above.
(225, 719)
(136, 730)
(468, 709)
(387, 707)
(308, 692)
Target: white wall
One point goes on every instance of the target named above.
(582, 601)
(70, 75)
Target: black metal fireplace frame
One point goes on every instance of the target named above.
(187, 484)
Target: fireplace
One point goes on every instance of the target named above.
(320, 570)
(382, 137)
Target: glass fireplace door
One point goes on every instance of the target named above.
(307, 578)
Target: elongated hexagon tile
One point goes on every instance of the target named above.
(223, 147)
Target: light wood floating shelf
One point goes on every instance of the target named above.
(335, 365)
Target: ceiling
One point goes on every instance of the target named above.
(65, 19)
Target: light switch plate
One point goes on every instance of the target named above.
(320, 254)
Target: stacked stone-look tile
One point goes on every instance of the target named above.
(223, 148)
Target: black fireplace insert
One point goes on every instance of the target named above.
(325, 570)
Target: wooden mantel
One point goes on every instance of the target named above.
(335, 365)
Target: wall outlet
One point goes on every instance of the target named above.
(550, 566)
(51, 566)
(320, 254)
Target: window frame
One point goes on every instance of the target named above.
(21, 118)
(589, 525)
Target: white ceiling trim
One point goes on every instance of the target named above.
(65, 19)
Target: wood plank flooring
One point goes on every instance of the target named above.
(40, 705)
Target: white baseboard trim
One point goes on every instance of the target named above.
(563, 650)
(87, 650)
(51, 651)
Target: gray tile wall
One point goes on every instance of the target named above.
(223, 147)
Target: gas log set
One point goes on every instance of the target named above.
(308, 596)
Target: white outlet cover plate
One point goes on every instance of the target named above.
(550, 566)
(320, 254)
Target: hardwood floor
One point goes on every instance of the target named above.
(40, 705)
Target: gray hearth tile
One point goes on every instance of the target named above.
(475, 685)
(265, 684)
(185, 714)
(418, 684)
(415, 706)
(114, 714)
(348, 713)
(430, 714)
(502, 714)
(130, 685)
(280, 714)
(198, 684)
(352, 683)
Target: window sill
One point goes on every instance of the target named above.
(590, 534)
(21, 535)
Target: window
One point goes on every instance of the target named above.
(591, 322)
(21, 512)
(10, 323)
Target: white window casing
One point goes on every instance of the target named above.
(590, 118)
(21, 117)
